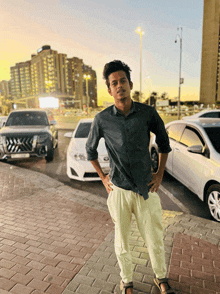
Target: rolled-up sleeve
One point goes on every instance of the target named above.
(93, 140)
(158, 128)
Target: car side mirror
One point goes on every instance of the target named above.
(196, 149)
(68, 135)
(53, 122)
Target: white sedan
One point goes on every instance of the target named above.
(214, 113)
(78, 167)
(195, 158)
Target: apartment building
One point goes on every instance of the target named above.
(92, 85)
(5, 97)
(52, 73)
(75, 76)
(21, 85)
(210, 68)
(49, 72)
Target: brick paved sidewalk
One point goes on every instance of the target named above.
(44, 238)
(193, 263)
(53, 240)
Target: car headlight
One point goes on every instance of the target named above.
(79, 156)
(42, 138)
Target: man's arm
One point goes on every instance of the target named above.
(105, 178)
(158, 176)
(162, 163)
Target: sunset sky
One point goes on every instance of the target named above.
(100, 31)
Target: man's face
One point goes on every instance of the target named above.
(119, 88)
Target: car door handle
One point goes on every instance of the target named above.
(177, 150)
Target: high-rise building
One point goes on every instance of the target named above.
(21, 80)
(92, 86)
(75, 76)
(5, 89)
(49, 72)
(5, 97)
(52, 73)
(210, 68)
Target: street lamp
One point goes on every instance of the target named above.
(87, 77)
(180, 79)
(141, 33)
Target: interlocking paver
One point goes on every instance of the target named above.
(50, 236)
(18, 289)
(22, 279)
(44, 234)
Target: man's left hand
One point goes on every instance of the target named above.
(155, 182)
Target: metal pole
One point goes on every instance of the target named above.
(141, 67)
(87, 95)
(180, 74)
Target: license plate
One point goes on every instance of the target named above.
(24, 155)
(105, 170)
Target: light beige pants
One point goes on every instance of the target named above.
(121, 204)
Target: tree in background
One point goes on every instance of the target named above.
(152, 99)
(164, 96)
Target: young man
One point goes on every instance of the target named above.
(131, 186)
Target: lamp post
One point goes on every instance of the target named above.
(180, 79)
(87, 77)
(141, 33)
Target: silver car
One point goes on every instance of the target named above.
(195, 158)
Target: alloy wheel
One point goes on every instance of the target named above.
(154, 160)
(214, 204)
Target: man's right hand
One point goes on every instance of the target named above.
(106, 182)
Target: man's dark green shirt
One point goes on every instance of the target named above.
(127, 142)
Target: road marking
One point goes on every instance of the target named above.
(173, 198)
(59, 169)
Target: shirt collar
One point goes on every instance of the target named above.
(134, 108)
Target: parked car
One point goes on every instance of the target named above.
(26, 134)
(78, 167)
(214, 113)
(195, 158)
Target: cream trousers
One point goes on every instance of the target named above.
(148, 213)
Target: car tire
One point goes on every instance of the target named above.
(50, 155)
(213, 201)
(57, 141)
(154, 160)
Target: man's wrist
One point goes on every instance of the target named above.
(160, 173)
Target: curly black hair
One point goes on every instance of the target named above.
(114, 66)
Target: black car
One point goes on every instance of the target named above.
(26, 134)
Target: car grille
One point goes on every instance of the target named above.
(91, 175)
(19, 144)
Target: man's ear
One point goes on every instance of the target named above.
(109, 91)
(131, 85)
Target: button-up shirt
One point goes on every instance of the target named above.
(127, 142)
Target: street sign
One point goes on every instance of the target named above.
(161, 103)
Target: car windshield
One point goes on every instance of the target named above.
(27, 119)
(83, 130)
(214, 136)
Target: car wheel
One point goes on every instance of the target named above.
(50, 155)
(56, 141)
(154, 160)
(213, 201)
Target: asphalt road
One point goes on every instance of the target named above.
(174, 196)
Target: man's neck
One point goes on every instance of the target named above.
(124, 106)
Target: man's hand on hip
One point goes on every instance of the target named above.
(106, 182)
(155, 182)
